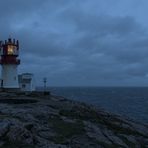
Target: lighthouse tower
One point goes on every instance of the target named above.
(9, 51)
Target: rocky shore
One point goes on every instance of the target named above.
(39, 121)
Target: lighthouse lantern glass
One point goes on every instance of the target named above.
(11, 50)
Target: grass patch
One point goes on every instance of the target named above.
(122, 130)
(17, 101)
(66, 130)
(93, 116)
(127, 142)
(82, 114)
(16, 145)
(106, 145)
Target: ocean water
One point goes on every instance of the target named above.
(131, 102)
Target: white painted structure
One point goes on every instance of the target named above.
(9, 51)
(9, 76)
(26, 82)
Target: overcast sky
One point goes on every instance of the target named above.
(80, 42)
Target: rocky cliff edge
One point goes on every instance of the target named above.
(38, 121)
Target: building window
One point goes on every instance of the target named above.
(23, 85)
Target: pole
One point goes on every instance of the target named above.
(45, 81)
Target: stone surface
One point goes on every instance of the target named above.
(52, 121)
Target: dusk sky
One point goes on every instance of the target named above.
(80, 42)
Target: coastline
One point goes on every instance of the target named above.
(128, 102)
(40, 120)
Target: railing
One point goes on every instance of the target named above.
(10, 61)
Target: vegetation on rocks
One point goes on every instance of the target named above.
(35, 120)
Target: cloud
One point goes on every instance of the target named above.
(78, 42)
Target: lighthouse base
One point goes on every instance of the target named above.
(9, 77)
(10, 89)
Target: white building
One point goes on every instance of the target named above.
(26, 82)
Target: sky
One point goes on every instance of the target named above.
(80, 42)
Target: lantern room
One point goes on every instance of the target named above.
(9, 51)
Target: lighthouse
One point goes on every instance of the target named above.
(9, 51)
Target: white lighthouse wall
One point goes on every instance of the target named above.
(9, 76)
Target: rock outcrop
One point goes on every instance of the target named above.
(38, 121)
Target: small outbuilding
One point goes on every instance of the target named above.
(26, 82)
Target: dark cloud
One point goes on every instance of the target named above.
(79, 42)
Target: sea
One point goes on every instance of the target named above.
(130, 102)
